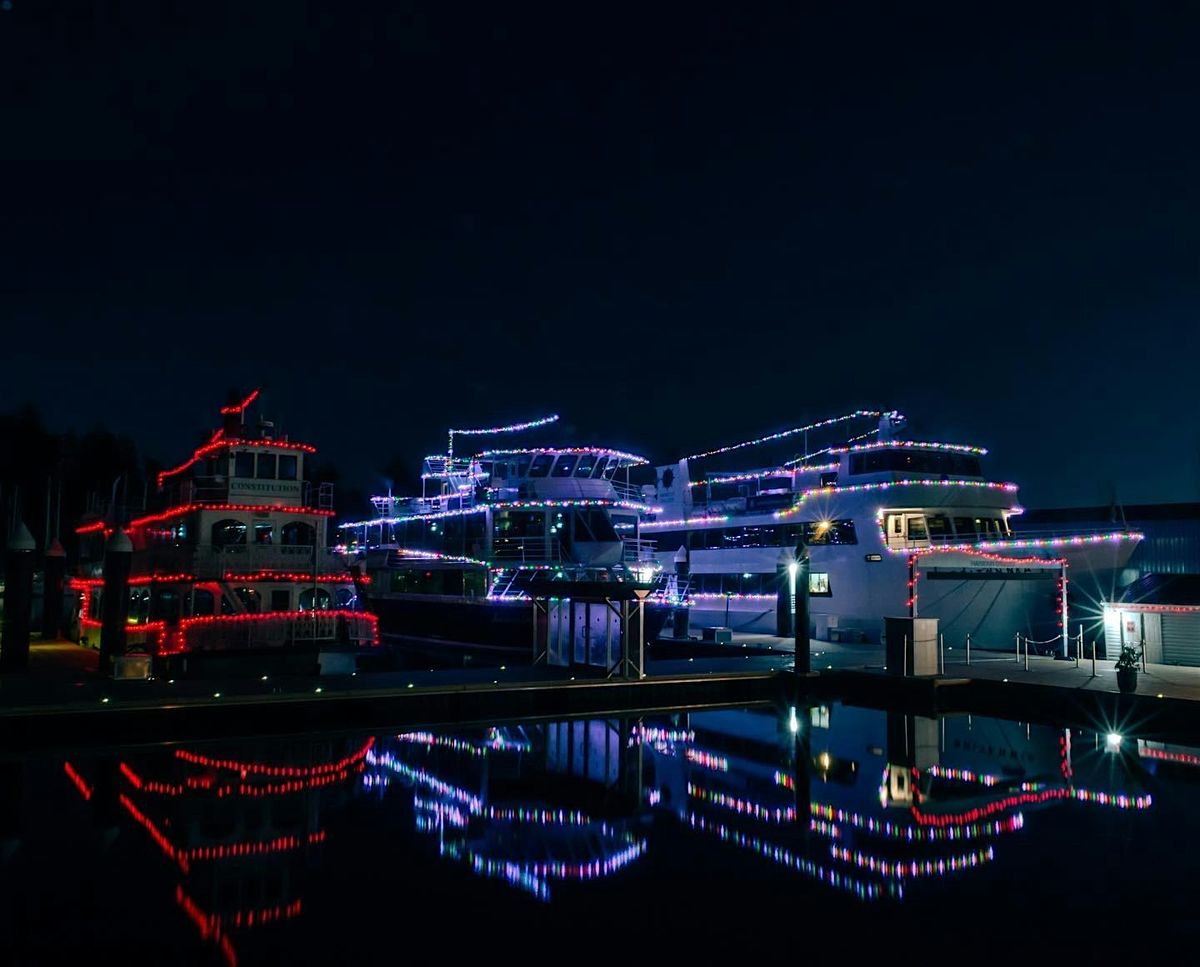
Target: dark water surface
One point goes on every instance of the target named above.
(746, 834)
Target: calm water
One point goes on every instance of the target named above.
(757, 832)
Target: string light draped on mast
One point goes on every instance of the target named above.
(487, 431)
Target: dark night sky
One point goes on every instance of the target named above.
(678, 226)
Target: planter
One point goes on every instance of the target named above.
(1127, 679)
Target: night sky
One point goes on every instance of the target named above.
(678, 226)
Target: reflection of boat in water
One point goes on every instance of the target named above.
(867, 801)
(528, 843)
(237, 830)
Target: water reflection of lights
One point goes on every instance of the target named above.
(612, 848)
(914, 834)
(708, 760)
(912, 868)
(773, 814)
(785, 857)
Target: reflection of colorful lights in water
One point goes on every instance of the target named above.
(770, 814)
(650, 733)
(960, 775)
(84, 789)
(708, 760)
(918, 834)
(1031, 793)
(912, 868)
(1166, 755)
(783, 779)
(424, 778)
(495, 742)
(785, 857)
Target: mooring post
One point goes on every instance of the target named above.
(114, 609)
(803, 660)
(1093, 658)
(968, 647)
(55, 572)
(18, 600)
(1017, 656)
(1027, 652)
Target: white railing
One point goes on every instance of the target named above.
(527, 550)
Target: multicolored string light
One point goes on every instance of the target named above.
(508, 428)
(783, 434)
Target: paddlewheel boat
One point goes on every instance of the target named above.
(235, 561)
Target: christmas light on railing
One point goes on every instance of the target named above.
(184, 509)
(744, 478)
(912, 444)
(221, 442)
(541, 504)
(1167, 755)
(633, 459)
(293, 618)
(783, 434)
(653, 525)
(720, 596)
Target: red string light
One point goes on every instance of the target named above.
(259, 768)
(183, 509)
(220, 442)
(84, 789)
(240, 407)
(209, 926)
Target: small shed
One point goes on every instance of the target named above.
(1161, 610)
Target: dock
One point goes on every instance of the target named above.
(61, 703)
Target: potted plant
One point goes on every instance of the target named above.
(1127, 668)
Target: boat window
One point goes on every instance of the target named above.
(819, 532)
(541, 465)
(520, 523)
(324, 601)
(265, 469)
(243, 464)
(296, 533)
(611, 469)
(601, 463)
(939, 527)
(281, 599)
(164, 605)
(587, 463)
(964, 528)
(818, 583)
(228, 533)
(916, 528)
(564, 466)
(345, 598)
(263, 533)
(203, 602)
(523, 466)
(915, 461)
(594, 525)
(250, 598)
(288, 466)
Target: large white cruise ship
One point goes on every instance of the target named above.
(892, 527)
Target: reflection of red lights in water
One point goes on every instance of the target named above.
(209, 926)
(156, 834)
(84, 789)
(260, 768)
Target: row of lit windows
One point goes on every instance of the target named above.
(170, 604)
(818, 583)
(266, 466)
(815, 533)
